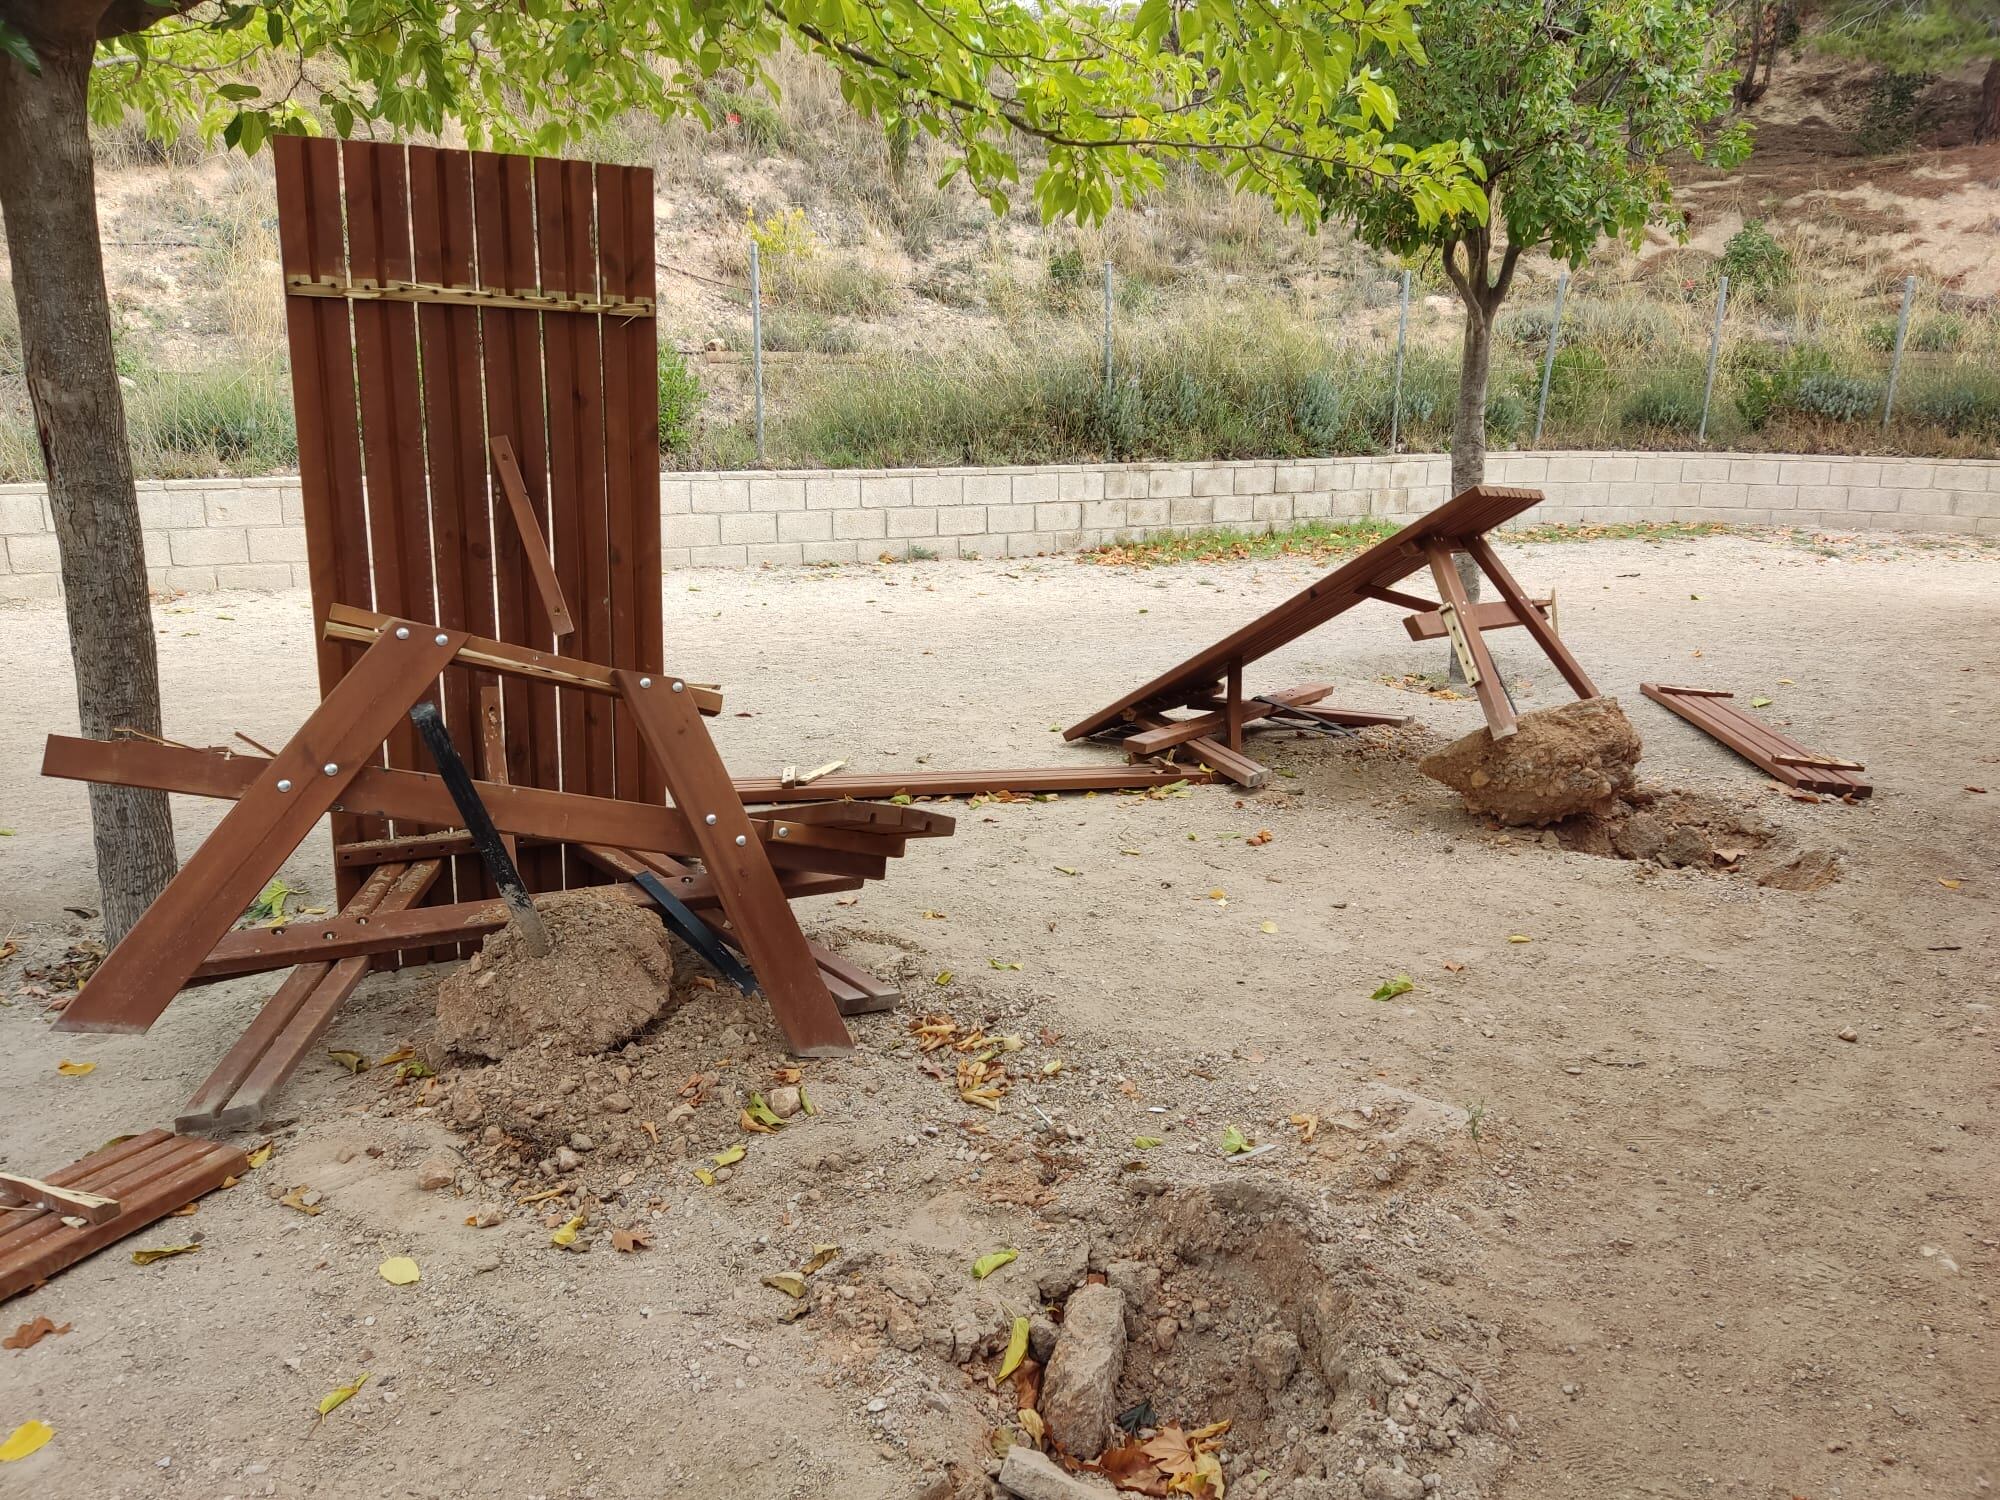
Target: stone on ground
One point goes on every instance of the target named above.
(1577, 758)
(1029, 1475)
(1080, 1386)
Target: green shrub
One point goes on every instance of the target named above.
(1879, 334)
(1939, 335)
(1320, 413)
(1769, 377)
(1890, 118)
(1755, 263)
(1965, 404)
(1578, 373)
(1506, 416)
(1668, 402)
(1835, 397)
(1528, 327)
(196, 423)
(680, 401)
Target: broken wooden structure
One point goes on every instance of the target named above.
(1210, 683)
(48, 1226)
(1777, 755)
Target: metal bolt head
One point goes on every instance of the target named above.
(709, 820)
(679, 685)
(441, 638)
(331, 769)
(741, 840)
(284, 784)
(645, 682)
(402, 632)
(784, 832)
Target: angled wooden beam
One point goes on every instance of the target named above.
(1543, 630)
(1471, 646)
(533, 544)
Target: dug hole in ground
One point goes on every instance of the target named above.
(1603, 1202)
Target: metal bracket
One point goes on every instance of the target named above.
(682, 921)
(1455, 628)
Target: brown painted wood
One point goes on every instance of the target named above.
(1496, 614)
(1532, 618)
(150, 1176)
(142, 974)
(866, 784)
(75, 1203)
(1490, 690)
(534, 547)
(738, 863)
(1150, 742)
(1777, 755)
(1218, 757)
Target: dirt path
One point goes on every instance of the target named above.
(1697, 1245)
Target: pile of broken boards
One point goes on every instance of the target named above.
(721, 875)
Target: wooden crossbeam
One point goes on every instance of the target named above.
(1149, 742)
(534, 546)
(1428, 625)
(1477, 661)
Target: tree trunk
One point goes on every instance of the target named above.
(48, 195)
(1468, 427)
(1986, 124)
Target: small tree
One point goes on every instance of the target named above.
(1574, 110)
(1921, 38)
(1259, 92)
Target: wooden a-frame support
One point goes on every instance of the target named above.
(310, 776)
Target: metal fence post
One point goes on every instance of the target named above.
(757, 345)
(1896, 359)
(1714, 348)
(1396, 401)
(1549, 360)
(1107, 328)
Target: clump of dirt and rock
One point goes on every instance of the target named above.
(1560, 762)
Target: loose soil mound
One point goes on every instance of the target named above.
(1561, 762)
(609, 974)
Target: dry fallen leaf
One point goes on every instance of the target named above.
(1017, 1348)
(731, 1156)
(30, 1334)
(1260, 837)
(566, 1236)
(1267, 925)
(296, 1198)
(261, 1155)
(28, 1438)
(342, 1395)
(70, 1069)
(1453, 966)
(1950, 885)
(629, 1240)
(400, 1270)
(161, 1252)
(986, 1265)
(790, 1283)
(821, 1256)
(354, 1062)
(1515, 937)
(1308, 1127)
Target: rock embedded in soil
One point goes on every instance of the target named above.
(610, 974)
(1029, 1475)
(436, 1172)
(1577, 758)
(1385, 1483)
(1080, 1386)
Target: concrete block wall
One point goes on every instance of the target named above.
(248, 533)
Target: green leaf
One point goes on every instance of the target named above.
(1235, 1142)
(986, 1265)
(1147, 1142)
(1389, 989)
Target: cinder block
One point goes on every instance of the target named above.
(944, 546)
(1143, 514)
(1032, 487)
(163, 509)
(1170, 484)
(1231, 510)
(691, 531)
(774, 555)
(1771, 496)
(37, 553)
(1104, 514)
(277, 544)
(859, 525)
(938, 489)
(985, 488)
(749, 528)
(1973, 503)
(715, 497)
(1315, 507)
(805, 526)
(20, 511)
(1901, 474)
(194, 546)
(1292, 479)
(23, 587)
(916, 520)
(269, 578)
(676, 497)
(829, 552)
(776, 493)
(880, 491)
(1029, 543)
(1813, 471)
(293, 506)
(1704, 470)
(191, 580)
(1570, 468)
(1753, 471)
(1007, 519)
(1080, 484)
(835, 492)
(1214, 481)
(244, 508)
(1629, 492)
(672, 558)
(1275, 510)
(1255, 479)
(1058, 515)
(1124, 483)
(1721, 496)
(961, 520)
(717, 557)
(1608, 468)
(1191, 510)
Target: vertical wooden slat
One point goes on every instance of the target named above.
(642, 371)
(593, 614)
(311, 243)
(632, 770)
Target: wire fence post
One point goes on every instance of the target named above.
(1396, 400)
(1714, 348)
(757, 345)
(1549, 360)
(1896, 359)
(1107, 328)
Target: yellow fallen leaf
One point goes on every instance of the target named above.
(566, 1236)
(543, 1196)
(1002, 964)
(75, 1069)
(986, 1265)
(790, 1283)
(401, 1054)
(1017, 1349)
(400, 1270)
(1147, 1142)
(28, 1438)
(1308, 1126)
(186, 1210)
(262, 1154)
(944, 977)
(1052, 1067)
(161, 1252)
(1067, 870)
(354, 1062)
(296, 1199)
(1267, 925)
(1218, 894)
(730, 1157)
(1031, 1423)
(705, 1177)
(340, 1397)
(1950, 885)
(1515, 937)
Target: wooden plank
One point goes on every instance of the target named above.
(1474, 511)
(296, 788)
(1495, 614)
(737, 862)
(1150, 742)
(1217, 756)
(868, 784)
(1777, 755)
(448, 342)
(311, 241)
(222, 1083)
(534, 547)
(350, 624)
(542, 817)
(1486, 683)
(72, 1203)
(1531, 617)
(492, 758)
(176, 1170)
